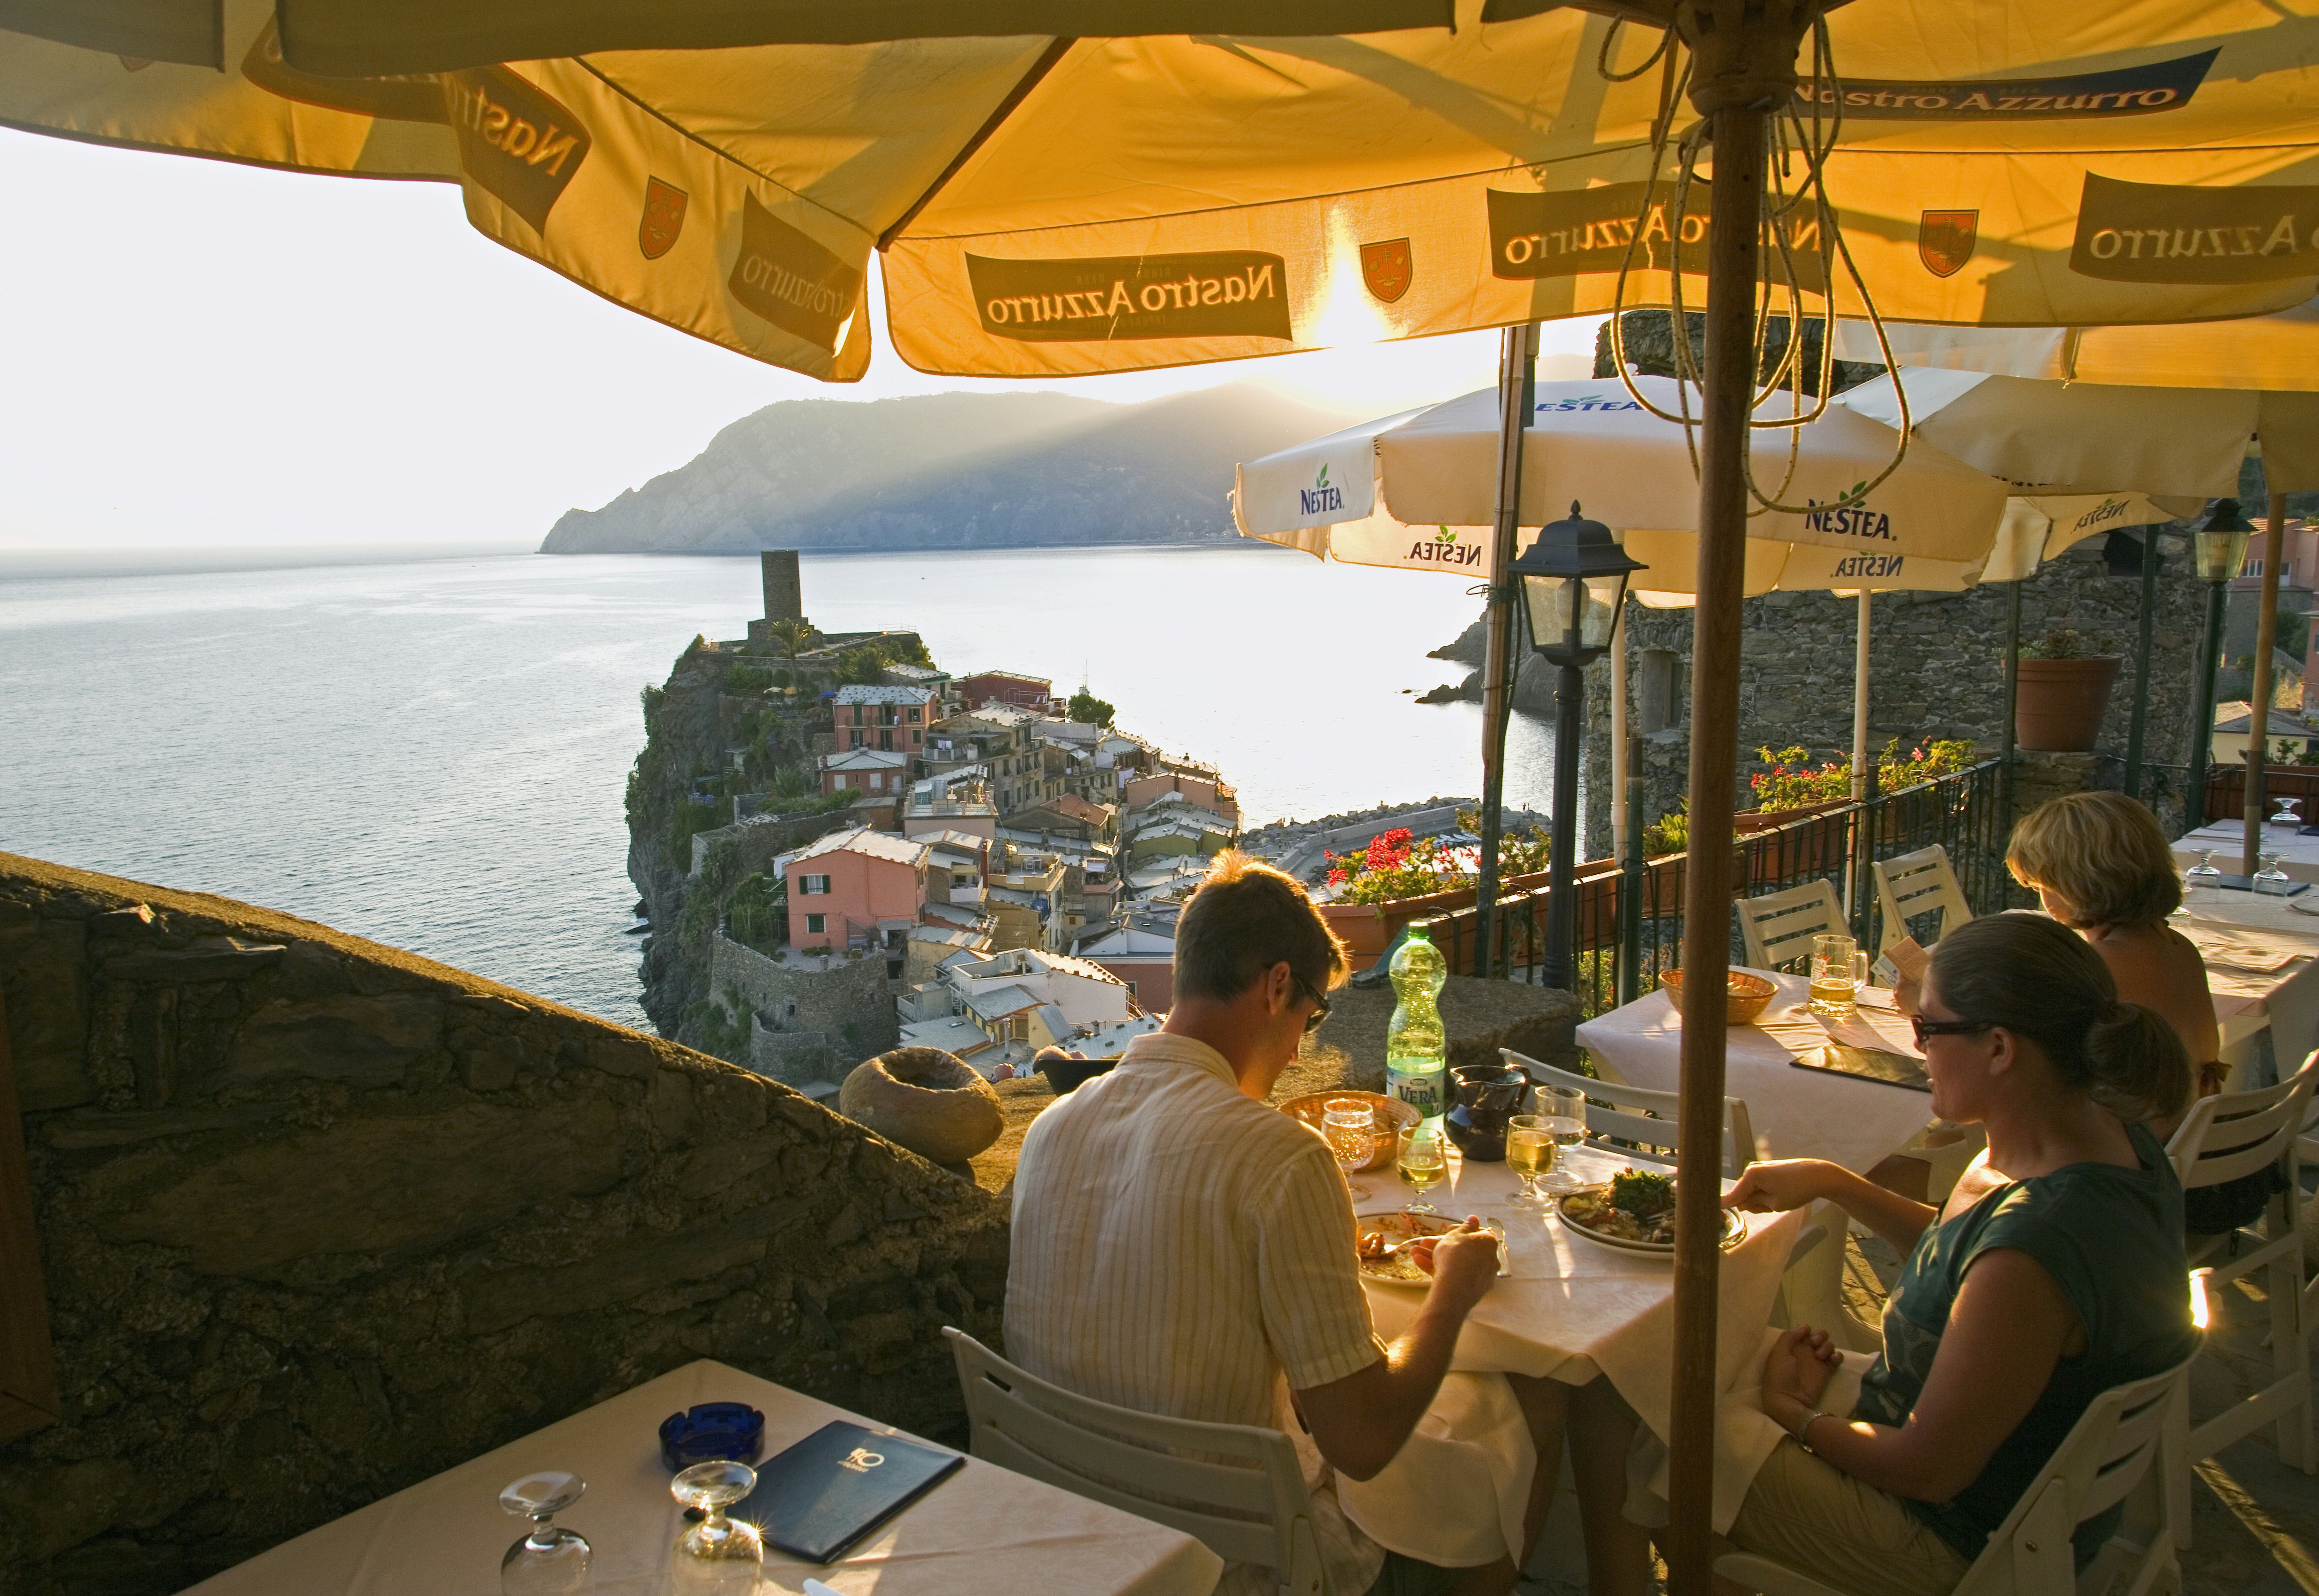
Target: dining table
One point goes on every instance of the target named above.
(1572, 1308)
(985, 1532)
(2299, 855)
(2261, 954)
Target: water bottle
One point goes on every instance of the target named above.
(1416, 1052)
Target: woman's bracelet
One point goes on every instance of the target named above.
(1803, 1429)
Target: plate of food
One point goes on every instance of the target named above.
(1378, 1249)
(1634, 1212)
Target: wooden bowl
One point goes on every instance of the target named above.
(1393, 1117)
(1750, 994)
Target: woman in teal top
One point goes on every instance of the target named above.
(2054, 1271)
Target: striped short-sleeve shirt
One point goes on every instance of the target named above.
(1180, 1249)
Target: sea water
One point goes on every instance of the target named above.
(431, 752)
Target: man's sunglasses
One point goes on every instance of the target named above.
(1320, 1003)
(1924, 1027)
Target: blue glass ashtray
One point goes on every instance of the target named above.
(712, 1432)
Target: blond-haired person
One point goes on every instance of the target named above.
(2099, 864)
(1180, 1248)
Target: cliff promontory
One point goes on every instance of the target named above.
(952, 470)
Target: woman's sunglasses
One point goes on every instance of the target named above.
(1924, 1027)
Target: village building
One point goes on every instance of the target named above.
(939, 805)
(887, 718)
(1139, 948)
(1144, 792)
(1006, 687)
(871, 771)
(854, 889)
(1185, 830)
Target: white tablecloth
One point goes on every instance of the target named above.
(984, 1530)
(1572, 1309)
(1797, 1113)
(2298, 854)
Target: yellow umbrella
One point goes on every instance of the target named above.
(1047, 203)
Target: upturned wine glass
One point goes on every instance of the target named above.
(548, 1562)
(2289, 811)
(718, 1556)
(2270, 878)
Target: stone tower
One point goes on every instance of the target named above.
(784, 598)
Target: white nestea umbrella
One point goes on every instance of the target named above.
(1413, 491)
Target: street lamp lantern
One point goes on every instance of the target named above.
(1573, 586)
(2222, 543)
(1574, 578)
(2218, 550)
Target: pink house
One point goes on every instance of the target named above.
(891, 719)
(1215, 796)
(854, 885)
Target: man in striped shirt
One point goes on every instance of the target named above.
(1180, 1248)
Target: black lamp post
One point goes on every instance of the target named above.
(1573, 584)
(2220, 549)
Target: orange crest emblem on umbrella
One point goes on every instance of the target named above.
(1384, 267)
(663, 218)
(1944, 241)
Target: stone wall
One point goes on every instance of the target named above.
(850, 1003)
(319, 1218)
(1937, 671)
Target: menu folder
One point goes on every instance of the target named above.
(1892, 1070)
(822, 1496)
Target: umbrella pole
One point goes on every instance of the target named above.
(2266, 639)
(1517, 354)
(2202, 715)
(2012, 701)
(1735, 97)
(2140, 722)
(1859, 739)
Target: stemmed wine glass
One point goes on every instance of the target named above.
(1529, 1153)
(2288, 812)
(718, 1556)
(548, 1562)
(1350, 1131)
(1423, 1162)
(2205, 873)
(2270, 878)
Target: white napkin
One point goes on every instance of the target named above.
(1745, 1435)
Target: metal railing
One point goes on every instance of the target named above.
(1631, 912)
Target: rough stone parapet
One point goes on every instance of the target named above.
(319, 1218)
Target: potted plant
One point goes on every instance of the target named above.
(1382, 887)
(2063, 693)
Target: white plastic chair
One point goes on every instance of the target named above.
(1616, 1110)
(1920, 883)
(2107, 1454)
(1779, 926)
(1235, 1488)
(2221, 1138)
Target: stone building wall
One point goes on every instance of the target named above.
(1937, 671)
(851, 1003)
(319, 1218)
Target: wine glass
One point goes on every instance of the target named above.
(548, 1562)
(2205, 872)
(2270, 878)
(1564, 1110)
(718, 1556)
(1529, 1153)
(1422, 1163)
(2287, 812)
(1350, 1131)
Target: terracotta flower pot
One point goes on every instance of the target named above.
(2060, 705)
(1361, 928)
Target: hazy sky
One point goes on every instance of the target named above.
(199, 354)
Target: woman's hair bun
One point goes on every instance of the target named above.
(2139, 1066)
